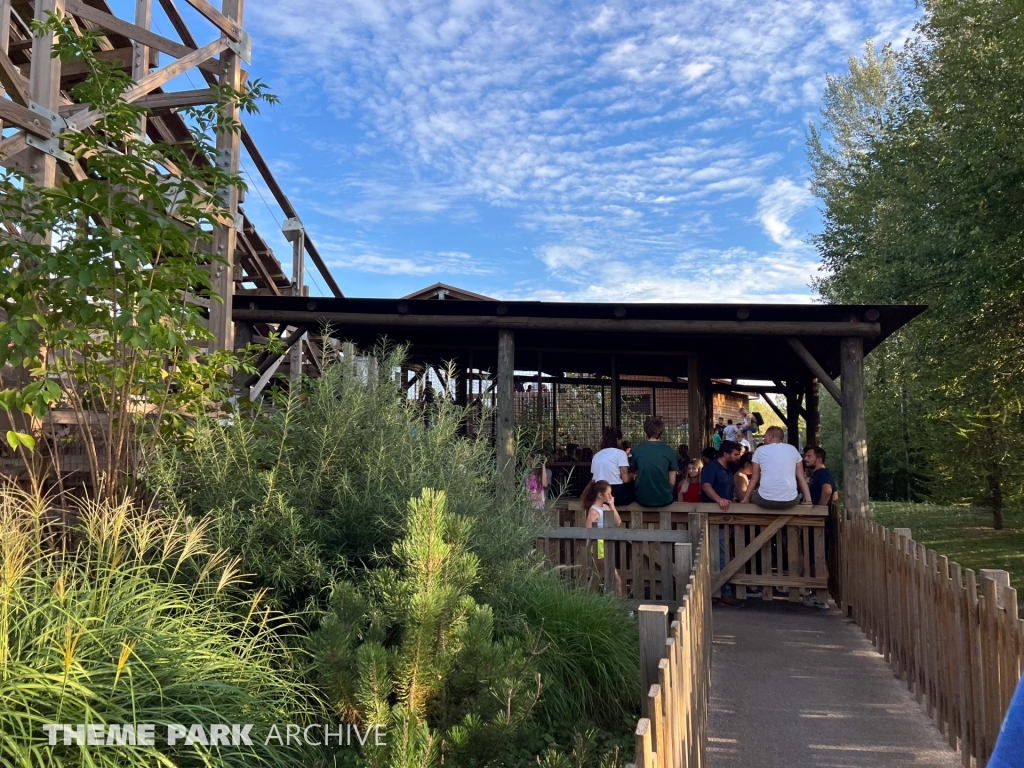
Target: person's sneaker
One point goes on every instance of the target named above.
(812, 601)
(753, 592)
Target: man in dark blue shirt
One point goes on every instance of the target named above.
(717, 486)
(822, 484)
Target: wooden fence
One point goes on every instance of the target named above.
(960, 651)
(748, 547)
(675, 669)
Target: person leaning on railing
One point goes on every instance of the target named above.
(598, 500)
(717, 487)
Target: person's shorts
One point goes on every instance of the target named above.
(772, 504)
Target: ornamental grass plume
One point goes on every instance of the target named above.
(125, 618)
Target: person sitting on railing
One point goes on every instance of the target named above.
(778, 472)
(689, 487)
(657, 466)
(821, 483)
(611, 464)
(598, 500)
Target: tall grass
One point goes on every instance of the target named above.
(317, 486)
(590, 667)
(131, 619)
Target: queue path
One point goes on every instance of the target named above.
(795, 687)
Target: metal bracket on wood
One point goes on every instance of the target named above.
(50, 146)
(242, 48)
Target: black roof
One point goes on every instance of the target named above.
(736, 341)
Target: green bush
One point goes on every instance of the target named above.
(131, 619)
(590, 666)
(317, 486)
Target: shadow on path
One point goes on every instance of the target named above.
(794, 686)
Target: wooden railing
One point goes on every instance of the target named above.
(959, 651)
(675, 669)
(760, 548)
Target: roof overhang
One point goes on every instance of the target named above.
(736, 341)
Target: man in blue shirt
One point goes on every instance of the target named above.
(717, 486)
(822, 485)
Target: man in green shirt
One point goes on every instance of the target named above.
(657, 465)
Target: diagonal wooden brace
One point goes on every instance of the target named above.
(748, 552)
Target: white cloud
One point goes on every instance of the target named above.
(779, 203)
(636, 127)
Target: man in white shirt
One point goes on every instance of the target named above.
(778, 473)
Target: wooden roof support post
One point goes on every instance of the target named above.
(225, 237)
(855, 430)
(700, 435)
(44, 90)
(505, 433)
(792, 415)
(812, 414)
(616, 410)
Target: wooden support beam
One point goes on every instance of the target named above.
(87, 117)
(14, 114)
(804, 354)
(697, 391)
(13, 81)
(44, 89)
(506, 428)
(225, 237)
(223, 21)
(855, 431)
(774, 406)
(812, 414)
(793, 416)
(161, 101)
(704, 327)
(616, 395)
(138, 34)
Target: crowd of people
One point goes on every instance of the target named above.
(774, 475)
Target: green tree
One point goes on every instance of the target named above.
(102, 284)
(918, 162)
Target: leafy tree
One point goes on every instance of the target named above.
(102, 282)
(918, 162)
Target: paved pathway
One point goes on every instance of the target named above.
(794, 687)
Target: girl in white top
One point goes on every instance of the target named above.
(597, 499)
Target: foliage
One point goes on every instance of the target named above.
(96, 315)
(964, 534)
(410, 649)
(590, 666)
(317, 485)
(918, 161)
(133, 619)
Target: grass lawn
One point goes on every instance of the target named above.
(963, 534)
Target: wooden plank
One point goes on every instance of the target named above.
(87, 117)
(653, 625)
(683, 567)
(815, 367)
(505, 427)
(44, 89)
(644, 752)
(226, 25)
(667, 745)
(794, 582)
(14, 114)
(619, 534)
(674, 327)
(13, 81)
(134, 32)
(748, 552)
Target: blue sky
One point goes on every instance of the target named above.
(615, 151)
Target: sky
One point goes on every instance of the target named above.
(536, 149)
